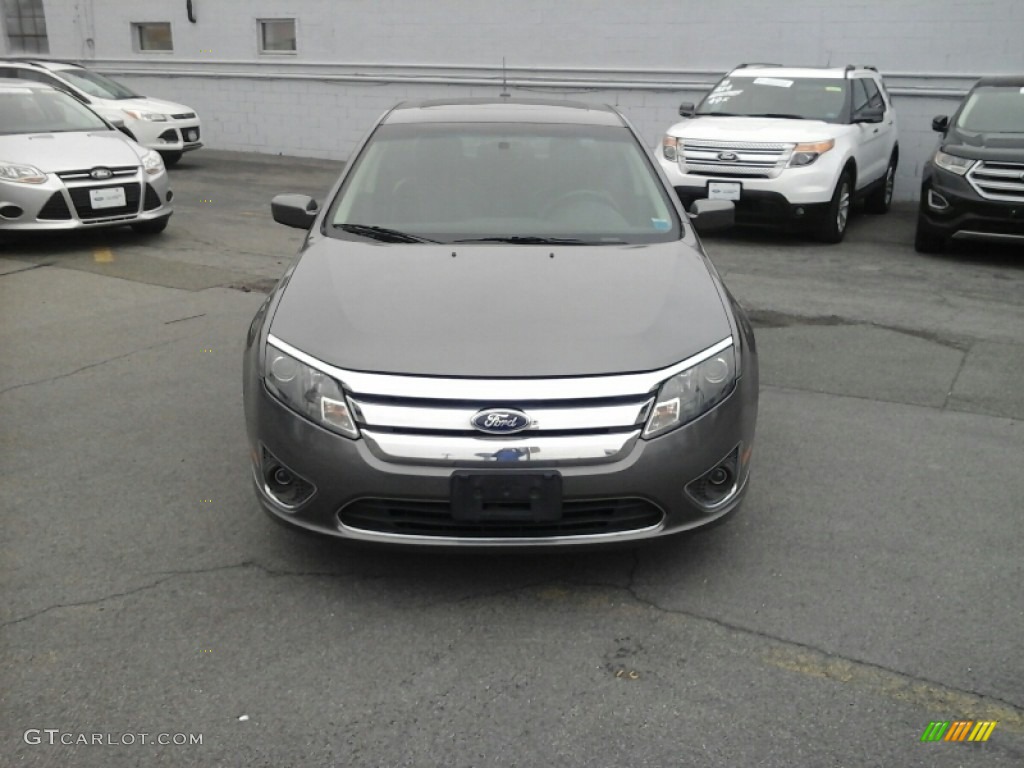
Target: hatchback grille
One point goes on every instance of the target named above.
(56, 208)
(86, 173)
(998, 181)
(80, 197)
(184, 116)
(152, 199)
(734, 159)
(434, 518)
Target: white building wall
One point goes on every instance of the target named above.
(356, 58)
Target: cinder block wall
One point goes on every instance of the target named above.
(356, 58)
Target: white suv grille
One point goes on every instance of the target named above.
(733, 158)
(998, 181)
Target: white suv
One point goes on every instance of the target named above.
(169, 128)
(790, 146)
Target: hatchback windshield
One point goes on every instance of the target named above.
(805, 98)
(97, 85)
(27, 110)
(529, 182)
(992, 109)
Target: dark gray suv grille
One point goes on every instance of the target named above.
(998, 181)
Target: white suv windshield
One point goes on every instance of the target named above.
(993, 110)
(803, 98)
(25, 110)
(517, 182)
(97, 85)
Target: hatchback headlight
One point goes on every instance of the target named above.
(693, 392)
(310, 392)
(23, 174)
(952, 163)
(149, 117)
(805, 154)
(152, 162)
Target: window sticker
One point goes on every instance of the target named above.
(662, 225)
(773, 81)
(718, 97)
(834, 88)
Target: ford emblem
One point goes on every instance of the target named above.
(728, 157)
(101, 173)
(500, 421)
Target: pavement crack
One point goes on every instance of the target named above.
(26, 269)
(956, 378)
(90, 365)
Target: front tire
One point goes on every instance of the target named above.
(833, 227)
(880, 200)
(926, 239)
(153, 227)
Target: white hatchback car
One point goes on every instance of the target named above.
(171, 129)
(789, 146)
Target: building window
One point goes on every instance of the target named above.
(152, 36)
(277, 35)
(26, 26)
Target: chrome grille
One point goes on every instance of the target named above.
(998, 180)
(734, 158)
(85, 174)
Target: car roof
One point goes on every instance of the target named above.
(1002, 81)
(15, 82)
(771, 70)
(502, 110)
(49, 64)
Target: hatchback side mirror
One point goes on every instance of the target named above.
(297, 211)
(686, 109)
(712, 215)
(940, 123)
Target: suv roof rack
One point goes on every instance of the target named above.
(851, 67)
(746, 64)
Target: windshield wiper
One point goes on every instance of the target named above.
(538, 240)
(780, 114)
(383, 234)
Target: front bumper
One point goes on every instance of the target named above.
(648, 480)
(967, 215)
(169, 136)
(63, 202)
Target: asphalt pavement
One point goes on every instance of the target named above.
(870, 585)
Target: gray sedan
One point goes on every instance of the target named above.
(501, 330)
(63, 167)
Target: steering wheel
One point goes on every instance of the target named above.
(579, 197)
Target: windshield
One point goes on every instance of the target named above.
(802, 98)
(526, 183)
(993, 109)
(97, 85)
(26, 110)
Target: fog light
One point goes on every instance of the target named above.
(281, 484)
(936, 201)
(718, 484)
(11, 211)
(798, 211)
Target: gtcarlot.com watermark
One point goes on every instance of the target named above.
(71, 738)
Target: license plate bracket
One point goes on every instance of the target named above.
(506, 496)
(107, 197)
(725, 190)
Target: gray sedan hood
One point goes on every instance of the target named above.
(53, 152)
(500, 310)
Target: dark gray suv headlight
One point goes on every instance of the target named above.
(308, 391)
(692, 392)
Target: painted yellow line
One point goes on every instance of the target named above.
(103, 255)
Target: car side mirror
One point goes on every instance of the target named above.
(869, 115)
(712, 215)
(687, 109)
(940, 123)
(297, 211)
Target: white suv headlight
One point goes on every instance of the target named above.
(693, 392)
(310, 392)
(805, 154)
(149, 117)
(23, 174)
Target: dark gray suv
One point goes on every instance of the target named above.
(501, 330)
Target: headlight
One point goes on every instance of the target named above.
(805, 154)
(152, 162)
(670, 147)
(149, 117)
(309, 392)
(952, 163)
(23, 174)
(696, 390)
